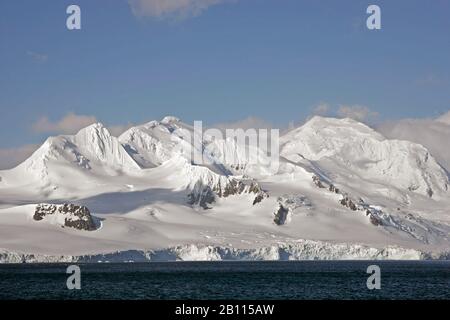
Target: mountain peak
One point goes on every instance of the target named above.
(93, 134)
(336, 128)
(95, 142)
(170, 119)
(330, 121)
(95, 127)
(356, 148)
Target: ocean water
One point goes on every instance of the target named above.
(229, 280)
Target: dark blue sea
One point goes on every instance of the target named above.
(229, 280)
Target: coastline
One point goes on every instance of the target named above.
(293, 251)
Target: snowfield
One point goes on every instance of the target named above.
(341, 191)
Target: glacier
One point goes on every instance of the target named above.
(299, 250)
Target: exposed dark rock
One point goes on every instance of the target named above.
(260, 193)
(348, 203)
(232, 188)
(42, 210)
(376, 221)
(294, 201)
(332, 188)
(254, 188)
(287, 206)
(318, 182)
(203, 195)
(281, 215)
(374, 214)
(260, 197)
(238, 167)
(409, 216)
(77, 217)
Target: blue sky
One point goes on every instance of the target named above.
(272, 59)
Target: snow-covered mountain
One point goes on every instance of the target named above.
(344, 148)
(153, 143)
(63, 164)
(428, 132)
(338, 183)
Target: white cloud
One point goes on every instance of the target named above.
(247, 123)
(72, 123)
(171, 8)
(9, 158)
(445, 118)
(69, 124)
(38, 57)
(434, 134)
(356, 112)
(322, 109)
(432, 79)
(117, 130)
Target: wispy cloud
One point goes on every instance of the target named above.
(117, 130)
(69, 124)
(247, 123)
(37, 57)
(434, 134)
(178, 9)
(11, 157)
(356, 112)
(322, 109)
(445, 118)
(72, 123)
(433, 80)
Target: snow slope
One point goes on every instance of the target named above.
(429, 132)
(358, 149)
(346, 192)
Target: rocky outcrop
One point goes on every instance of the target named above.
(373, 214)
(205, 195)
(376, 215)
(281, 215)
(375, 220)
(202, 196)
(318, 182)
(68, 215)
(260, 197)
(346, 202)
(287, 205)
(332, 188)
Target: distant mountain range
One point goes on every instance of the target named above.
(341, 191)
